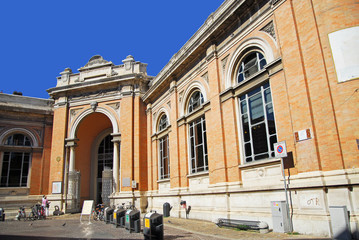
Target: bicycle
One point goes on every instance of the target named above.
(21, 214)
(98, 212)
(33, 214)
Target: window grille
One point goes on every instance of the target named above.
(251, 64)
(198, 145)
(16, 165)
(258, 124)
(163, 123)
(195, 101)
(164, 157)
(105, 155)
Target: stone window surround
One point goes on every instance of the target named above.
(238, 89)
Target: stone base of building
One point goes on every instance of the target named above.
(310, 196)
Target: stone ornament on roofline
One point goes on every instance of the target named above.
(96, 60)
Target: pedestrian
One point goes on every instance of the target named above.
(45, 204)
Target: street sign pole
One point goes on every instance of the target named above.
(281, 152)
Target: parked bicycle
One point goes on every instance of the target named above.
(37, 212)
(98, 212)
(33, 213)
(21, 214)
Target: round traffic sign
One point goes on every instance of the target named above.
(280, 149)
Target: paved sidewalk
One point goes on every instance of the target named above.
(70, 227)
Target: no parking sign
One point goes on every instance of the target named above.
(280, 149)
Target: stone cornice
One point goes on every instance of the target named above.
(212, 23)
(116, 80)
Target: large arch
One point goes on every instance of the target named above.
(87, 112)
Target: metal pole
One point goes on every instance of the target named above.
(286, 197)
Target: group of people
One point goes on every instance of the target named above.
(45, 204)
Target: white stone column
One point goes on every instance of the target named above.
(116, 161)
(72, 159)
(74, 179)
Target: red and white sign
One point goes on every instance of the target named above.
(280, 149)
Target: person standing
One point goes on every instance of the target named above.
(45, 204)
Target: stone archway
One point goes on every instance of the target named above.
(88, 131)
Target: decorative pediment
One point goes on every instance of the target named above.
(96, 61)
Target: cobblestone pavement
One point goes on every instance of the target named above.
(70, 227)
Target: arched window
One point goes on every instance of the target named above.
(256, 111)
(163, 149)
(163, 123)
(195, 101)
(197, 136)
(16, 164)
(251, 64)
(18, 140)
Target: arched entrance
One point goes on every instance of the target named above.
(95, 148)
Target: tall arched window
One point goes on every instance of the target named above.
(16, 163)
(197, 136)
(163, 149)
(256, 112)
(251, 64)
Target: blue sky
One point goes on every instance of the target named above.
(39, 39)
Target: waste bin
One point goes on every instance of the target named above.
(120, 217)
(108, 214)
(114, 216)
(133, 222)
(153, 226)
(2, 214)
(166, 209)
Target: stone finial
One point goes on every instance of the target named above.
(129, 61)
(65, 75)
(67, 70)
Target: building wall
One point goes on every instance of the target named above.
(306, 95)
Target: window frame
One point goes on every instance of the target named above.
(105, 155)
(264, 104)
(162, 159)
(240, 65)
(242, 88)
(160, 126)
(159, 135)
(193, 109)
(13, 148)
(193, 159)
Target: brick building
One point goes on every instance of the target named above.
(257, 72)
(25, 149)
